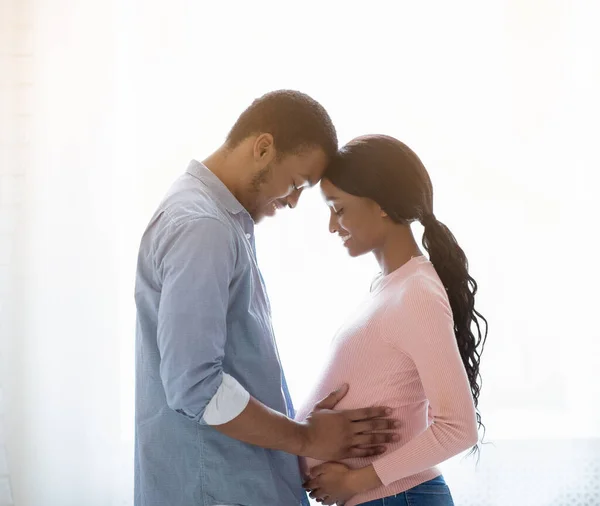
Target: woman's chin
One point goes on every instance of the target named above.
(353, 251)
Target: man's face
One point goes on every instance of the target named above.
(280, 182)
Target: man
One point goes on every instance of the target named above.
(214, 421)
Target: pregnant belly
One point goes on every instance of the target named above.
(414, 422)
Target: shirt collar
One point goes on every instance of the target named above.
(216, 186)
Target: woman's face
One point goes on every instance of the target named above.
(357, 220)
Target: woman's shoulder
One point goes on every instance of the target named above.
(421, 289)
(422, 281)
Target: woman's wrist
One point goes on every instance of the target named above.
(363, 479)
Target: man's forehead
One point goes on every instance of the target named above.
(310, 165)
(311, 174)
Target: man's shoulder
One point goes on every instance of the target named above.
(186, 202)
(187, 208)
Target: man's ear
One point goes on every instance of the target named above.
(264, 148)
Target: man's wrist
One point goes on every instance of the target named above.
(294, 438)
(300, 441)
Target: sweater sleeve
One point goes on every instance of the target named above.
(422, 327)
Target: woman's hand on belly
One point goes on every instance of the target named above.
(332, 483)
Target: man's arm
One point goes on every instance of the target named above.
(326, 435)
(197, 261)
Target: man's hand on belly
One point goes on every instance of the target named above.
(338, 435)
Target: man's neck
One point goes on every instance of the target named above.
(222, 165)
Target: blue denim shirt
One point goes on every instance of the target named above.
(202, 311)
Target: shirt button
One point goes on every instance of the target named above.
(248, 236)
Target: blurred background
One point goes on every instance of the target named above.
(105, 102)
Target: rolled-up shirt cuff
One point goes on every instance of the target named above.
(229, 401)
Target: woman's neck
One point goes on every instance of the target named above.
(398, 248)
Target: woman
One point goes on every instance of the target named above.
(414, 344)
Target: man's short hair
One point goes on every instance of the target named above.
(295, 120)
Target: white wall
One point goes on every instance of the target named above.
(64, 361)
(15, 124)
(499, 98)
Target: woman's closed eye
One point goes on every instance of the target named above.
(339, 212)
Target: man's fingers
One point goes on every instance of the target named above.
(375, 425)
(366, 452)
(357, 415)
(374, 439)
(333, 398)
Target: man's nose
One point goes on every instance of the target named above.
(293, 198)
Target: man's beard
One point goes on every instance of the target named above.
(253, 204)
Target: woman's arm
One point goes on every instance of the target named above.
(427, 336)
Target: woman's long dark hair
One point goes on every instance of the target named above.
(387, 171)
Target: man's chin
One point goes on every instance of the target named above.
(265, 212)
(257, 217)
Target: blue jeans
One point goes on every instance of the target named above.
(431, 493)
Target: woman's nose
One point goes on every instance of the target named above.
(333, 224)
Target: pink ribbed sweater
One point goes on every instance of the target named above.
(399, 350)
